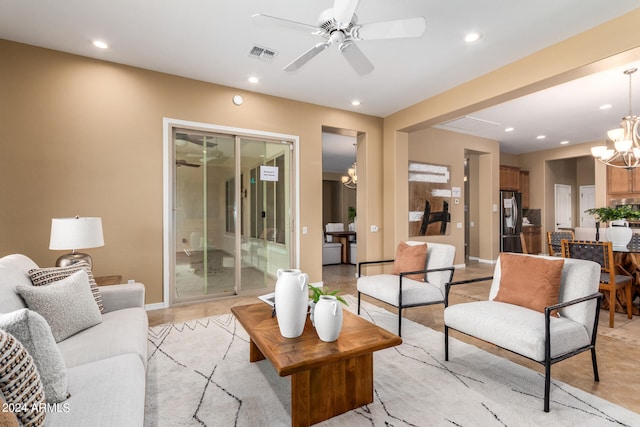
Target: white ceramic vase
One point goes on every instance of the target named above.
(292, 301)
(328, 318)
(619, 233)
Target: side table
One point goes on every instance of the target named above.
(108, 280)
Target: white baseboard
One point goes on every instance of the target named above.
(487, 261)
(155, 306)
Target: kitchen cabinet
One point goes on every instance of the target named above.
(524, 188)
(622, 181)
(532, 238)
(509, 178)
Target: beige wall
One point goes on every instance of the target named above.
(614, 43)
(447, 148)
(82, 136)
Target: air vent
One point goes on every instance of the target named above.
(263, 53)
(470, 124)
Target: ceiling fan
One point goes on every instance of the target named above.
(339, 25)
(185, 163)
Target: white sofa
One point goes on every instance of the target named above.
(105, 364)
(536, 335)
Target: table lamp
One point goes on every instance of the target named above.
(73, 234)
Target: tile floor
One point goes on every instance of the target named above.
(618, 349)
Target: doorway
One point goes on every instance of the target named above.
(562, 206)
(230, 214)
(587, 201)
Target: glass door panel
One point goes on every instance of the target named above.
(265, 207)
(205, 164)
(232, 196)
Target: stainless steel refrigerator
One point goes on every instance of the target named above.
(510, 221)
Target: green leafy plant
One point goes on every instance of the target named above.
(606, 213)
(351, 213)
(316, 293)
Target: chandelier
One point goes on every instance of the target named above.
(625, 140)
(350, 180)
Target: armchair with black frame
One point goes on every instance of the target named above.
(418, 287)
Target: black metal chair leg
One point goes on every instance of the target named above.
(446, 343)
(358, 302)
(596, 377)
(399, 321)
(547, 384)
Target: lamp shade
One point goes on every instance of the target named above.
(76, 233)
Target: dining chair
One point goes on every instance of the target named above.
(554, 239)
(610, 282)
(523, 243)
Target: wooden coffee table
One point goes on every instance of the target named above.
(327, 379)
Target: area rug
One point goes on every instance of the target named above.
(199, 375)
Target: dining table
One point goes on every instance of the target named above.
(344, 237)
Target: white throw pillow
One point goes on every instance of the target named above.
(67, 305)
(33, 331)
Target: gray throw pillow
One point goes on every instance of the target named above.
(33, 331)
(67, 305)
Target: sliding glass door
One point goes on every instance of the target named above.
(232, 214)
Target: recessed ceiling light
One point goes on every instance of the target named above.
(253, 79)
(508, 129)
(564, 142)
(540, 137)
(472, 37)
(100, 44)
(605, 106)
(355, 102)
(237, 100)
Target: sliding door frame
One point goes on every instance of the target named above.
(168, 172)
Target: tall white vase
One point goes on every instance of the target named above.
(328, 318)
(619, 233)
(292, 301)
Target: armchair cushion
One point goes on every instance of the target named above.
(529, 282)
(385, 288)
(516, 328)
(410, 258)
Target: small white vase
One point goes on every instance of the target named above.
(292, 299)
(328, 318)
(619, 233)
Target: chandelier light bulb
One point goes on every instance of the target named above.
(623, 145)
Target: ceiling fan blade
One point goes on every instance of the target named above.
(260, 18)
(185, 163)
(306, 57)
(343, 11)
(401, 28)
(356, 58)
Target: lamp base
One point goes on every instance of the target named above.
(69, 259)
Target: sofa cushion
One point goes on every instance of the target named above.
(33, 331)
(67, 305)
(410, 258)
(20, 382)
(109, 392)
(385, 288)
(529, 281)
(122, 331)
(45, 276)
(516, 328)
(14, 271)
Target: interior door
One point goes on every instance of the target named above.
(562, 206)
(587, 201)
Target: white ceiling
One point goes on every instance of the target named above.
(210, 41)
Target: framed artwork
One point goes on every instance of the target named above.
(429, 199)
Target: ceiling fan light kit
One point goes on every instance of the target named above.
(339, 26)
(626, 142)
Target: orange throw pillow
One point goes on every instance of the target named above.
(529, 281)
(410, 258)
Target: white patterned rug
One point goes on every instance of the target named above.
(199, 375)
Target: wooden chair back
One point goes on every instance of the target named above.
(554, 239)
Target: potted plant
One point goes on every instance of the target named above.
(316, 292)
(618, 231)
(351, 214)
